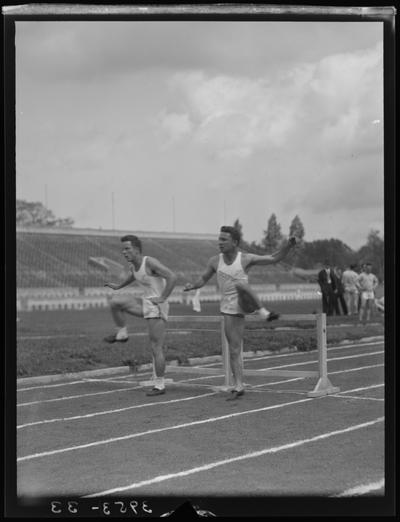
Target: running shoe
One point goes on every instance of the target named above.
(272, 316)
(155, 391)
(113, 339)
(235, 394)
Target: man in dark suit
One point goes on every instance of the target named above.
(326, 280)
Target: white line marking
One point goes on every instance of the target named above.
(168, 428)
(315, 361)
(346, 346)
(158, 430)
(143, 405)
(355, 397)
(78, 396)
(357, 369)
(188, 380)
(362, 389)
(82, 381)
(362, 489)
(88, 415)
(254, 454)
(298, 353)
(43, 386)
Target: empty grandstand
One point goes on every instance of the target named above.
(68, 267)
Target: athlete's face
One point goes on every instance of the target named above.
(225, 242)
(129, 251)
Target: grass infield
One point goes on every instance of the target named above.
(54, 342)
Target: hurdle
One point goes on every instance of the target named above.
(323, 385)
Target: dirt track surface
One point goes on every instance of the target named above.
(104, 437)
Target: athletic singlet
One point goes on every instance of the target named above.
(367, 282)
(152, 286)
(227, 276)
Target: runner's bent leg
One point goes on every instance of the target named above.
(119, 305)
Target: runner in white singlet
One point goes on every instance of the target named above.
(228, 276)
(153, 287)
(157, 282)
(366, 284)
(231, 268)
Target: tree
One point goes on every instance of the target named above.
(296, 228)
(34, 214)
(313, 254)
(374, 253)
(273, 234)
(238, 227)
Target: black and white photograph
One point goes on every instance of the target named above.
(200, 203)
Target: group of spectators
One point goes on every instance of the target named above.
(349, 292)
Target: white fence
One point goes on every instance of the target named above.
(97, 297)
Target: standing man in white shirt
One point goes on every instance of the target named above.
(157, 282)
(231, 267)
(349, 280)
(366, 284)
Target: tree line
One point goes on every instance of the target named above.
(35, 214)
(312, 254)
(308, 255)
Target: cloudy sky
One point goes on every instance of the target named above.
(187, 125)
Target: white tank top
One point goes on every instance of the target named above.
(152, 286)
(228, 275)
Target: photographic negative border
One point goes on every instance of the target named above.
(238, 507)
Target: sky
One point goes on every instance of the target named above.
(188, 125)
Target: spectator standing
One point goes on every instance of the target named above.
(339, 293)
(326, 281)
(349, 280)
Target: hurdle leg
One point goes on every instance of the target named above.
(323, 386)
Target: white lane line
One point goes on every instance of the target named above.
(254, 454)
(119, 410)
(79, 396)
(44, 386)
(188, 380)
(357, 369)
(46, 421)
(315, 361)
(362, 489)
(159, 430)
(82, 381)
(297, 353)
(362, 389)
(168, 428)
(269, 357)
(359, 398)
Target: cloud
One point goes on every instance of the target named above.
(328, 104)
(174, 125)
(78, 51)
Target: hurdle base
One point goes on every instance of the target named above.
(323, 387)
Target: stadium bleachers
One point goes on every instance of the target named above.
(55, 266)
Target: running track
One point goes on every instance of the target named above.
(105, 438)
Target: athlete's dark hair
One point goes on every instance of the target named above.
(134, 241)
(234, 232)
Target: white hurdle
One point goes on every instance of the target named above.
(323, 385)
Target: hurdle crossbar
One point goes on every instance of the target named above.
(323, 386)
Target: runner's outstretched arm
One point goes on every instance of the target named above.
(206, 276)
